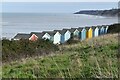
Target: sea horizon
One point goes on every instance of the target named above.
(13, 23)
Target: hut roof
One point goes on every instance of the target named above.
(38, 34)
(51, 33)
(105, 26)
(94, 27)
(73, 29)
(87, 28)
(80, 28)
(61, 31)
(64, 30)
(22, 36)
(100, 27)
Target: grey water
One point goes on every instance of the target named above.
(13, 23)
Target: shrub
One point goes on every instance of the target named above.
(72, 41)
(12, 50)
(115, 28)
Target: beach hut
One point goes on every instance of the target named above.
(89, 32)
(101, 30)
(67, 34)
(82, 33)
(35, 36)
(64, 35)
(106, 29)
(95, 31)
(57, 37)
(74, 32)
(21, 36)
(48, 35)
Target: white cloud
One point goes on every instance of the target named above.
(60, 0)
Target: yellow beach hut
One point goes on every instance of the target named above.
(89, 32)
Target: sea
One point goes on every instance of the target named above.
(13, 23)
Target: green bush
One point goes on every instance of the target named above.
(115, 28)
(12, 50)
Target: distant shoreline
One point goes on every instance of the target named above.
(104, 13)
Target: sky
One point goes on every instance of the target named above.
(59, 0)
(55, 7)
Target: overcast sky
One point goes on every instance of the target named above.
(60, 0)
(55, 7)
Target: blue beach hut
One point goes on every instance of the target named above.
(106, 29)
(101, 30)
(82, 33)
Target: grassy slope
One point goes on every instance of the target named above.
(90, 58)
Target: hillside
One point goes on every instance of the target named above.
(114, 28)
(111, 12)
(90, 58)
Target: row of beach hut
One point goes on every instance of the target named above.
(61, 36)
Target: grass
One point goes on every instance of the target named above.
(92, 58)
